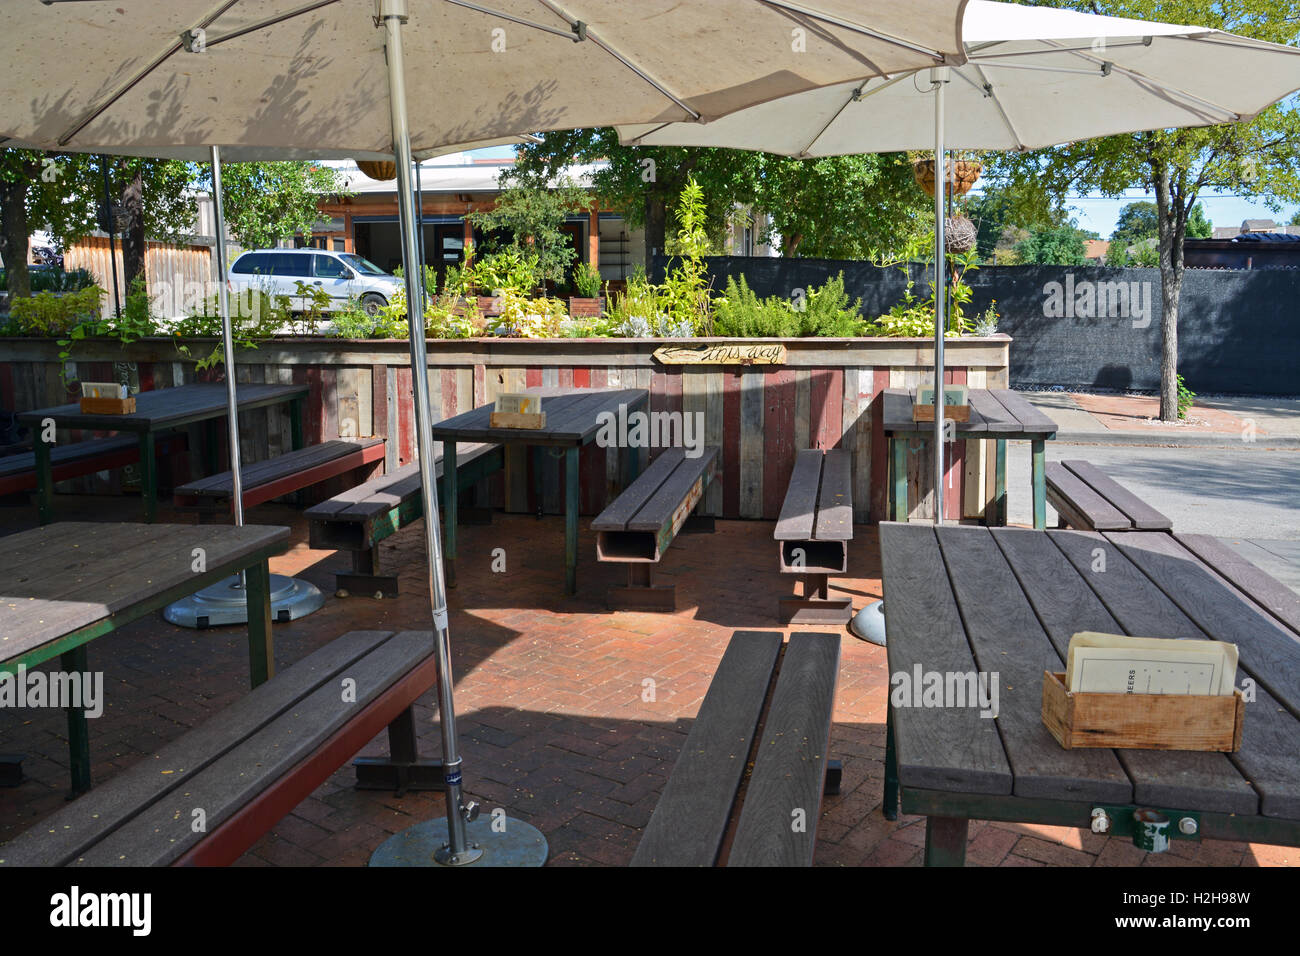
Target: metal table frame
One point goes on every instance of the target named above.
(146, 427)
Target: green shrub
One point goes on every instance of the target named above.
(824, 311)
(46, 313)
(586, 281)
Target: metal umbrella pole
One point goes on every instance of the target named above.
(226, 602)
(939, 77)
(507, 841)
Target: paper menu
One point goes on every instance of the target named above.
(1117, 664)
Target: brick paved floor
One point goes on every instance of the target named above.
(554, 727)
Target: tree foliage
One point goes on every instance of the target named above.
(533, 212)
(266, 203)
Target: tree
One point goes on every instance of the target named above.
(1199, 225)
(1136, 221)
(1059, 245)
(533, 211)
(1295, 219)
(265, 203)
(38, 191)
(1000, 214)
(1254, 158)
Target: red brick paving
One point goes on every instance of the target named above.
(570, 717)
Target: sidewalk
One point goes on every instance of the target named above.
(1089, 419)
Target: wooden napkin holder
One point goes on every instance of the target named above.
(518, 411)
(956, 403)
(1142, 721)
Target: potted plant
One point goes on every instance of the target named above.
(588, 303)
(963, 172)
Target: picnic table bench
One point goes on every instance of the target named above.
(996, 414)
(281, 475)
(73, 459)
(813, 533)
(714, 809)
(358, 519)
(207, 796)
(64, 585)
(158, 410)
(1006, 601)
(1088, 499)
(639, 525)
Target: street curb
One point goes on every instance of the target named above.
(1263, 442)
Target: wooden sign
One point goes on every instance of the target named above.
(759, 353)
(517, 410)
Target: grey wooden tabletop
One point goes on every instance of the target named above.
(994, 413)
(168, 407)
(573, 417)
(1007, 601)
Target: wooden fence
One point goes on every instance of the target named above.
(170, 270)
(827, 395)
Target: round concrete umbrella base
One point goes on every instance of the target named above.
(226, 603)
(869, 623)
(494, 841)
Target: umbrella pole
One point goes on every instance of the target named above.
(458, 849)
(940, 79)
(227, 341)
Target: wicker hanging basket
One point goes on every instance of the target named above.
(378, 169)
(963, 174)
(959, 234)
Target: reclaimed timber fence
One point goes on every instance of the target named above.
(825, 396)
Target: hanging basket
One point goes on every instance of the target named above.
(959, 234)
(963, 174)
(378, 169)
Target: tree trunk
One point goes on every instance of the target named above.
(790, 244)
(133, 238)
(656, 229)
(13, 236)
(1172, 230)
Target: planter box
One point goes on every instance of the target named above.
(586, 308)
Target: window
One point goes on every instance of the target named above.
(247, 264)
(364, 266)
(328, 267)
(289, 264)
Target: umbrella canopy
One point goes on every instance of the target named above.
(330, 77)
(1034, 77)
(310, 75)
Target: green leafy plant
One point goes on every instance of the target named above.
(508, 270)
(1186, 398)
(986, 323)
(255, 315)
(824, 311)
(48, 313)
(586, 280)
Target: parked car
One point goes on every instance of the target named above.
(344, 275)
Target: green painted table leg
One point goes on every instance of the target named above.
(1040, 485)
(898, 498)
(1000, 479)
(148, 477)
(890, 806)
(261, 647)
(451, 495)
(571, 477)
(44, 481)
(295, 423)
(945, 841)
(74, 662)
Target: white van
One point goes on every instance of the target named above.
(343, 275)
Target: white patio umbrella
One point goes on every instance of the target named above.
(1034, 77)
(312, 75)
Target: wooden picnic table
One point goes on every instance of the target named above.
(1006, 601)
(65, 584)
(996, 414)
(156, 411)
(573, 419)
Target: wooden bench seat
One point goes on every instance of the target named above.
(281, 475)
(1088, 499)
(813, 533)
(360, 517)
(206, 797)
(714, 809)
(639, 525)
(18, 472)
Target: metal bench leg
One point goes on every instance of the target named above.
(402, 769)
(261, 647)
(816, 606)
(365, 578)
(890, 805)
(1040, 485)
(571, 478)
(44, 481)
(834, 777)
(945, 841)
(641, 593)
(74, 662)
(1000, 484)
(898, 455)
(148, 478)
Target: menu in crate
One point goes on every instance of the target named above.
(1117, 664)
(517, 410)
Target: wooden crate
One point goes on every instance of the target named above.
(925, 413)
(1141, 721)
(108, 406)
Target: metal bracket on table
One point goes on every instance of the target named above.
(1150, 828)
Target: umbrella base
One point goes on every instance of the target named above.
(424, 844)
(225, 603)
(869, 623)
